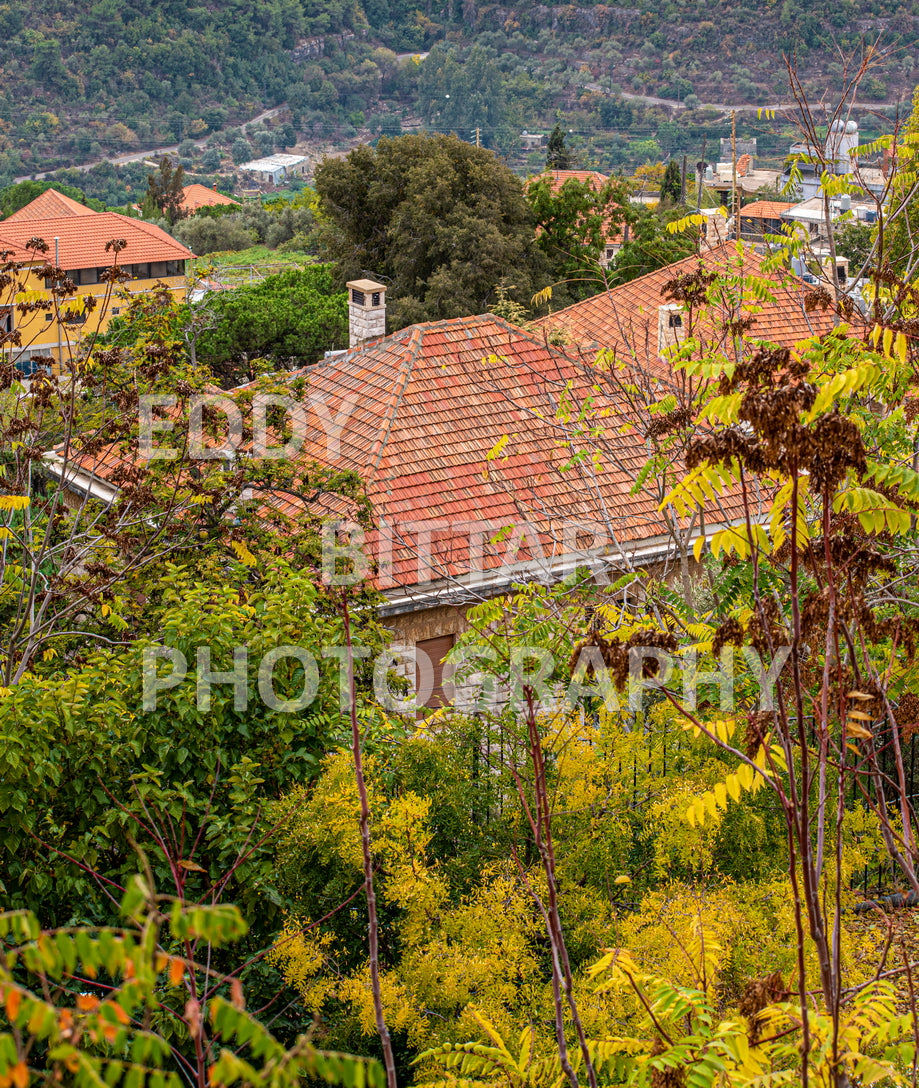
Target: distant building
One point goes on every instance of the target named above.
(811, 213)
(763, 217)
(741, 147)
(720, 179)
(197, 196)
(76, 238)
(273, 169)
(532, 141)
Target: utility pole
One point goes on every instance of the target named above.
(701, 176)
(734, 169)
(478, 136)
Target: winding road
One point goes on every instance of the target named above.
(155, 152)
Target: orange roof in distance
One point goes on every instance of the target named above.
(765, 209)
(49, 205)
(81, 240)
(557, 178)
(197, 196)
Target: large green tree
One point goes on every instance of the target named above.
(440, 221)
(650, 246)
(574, 223)
(292, 318)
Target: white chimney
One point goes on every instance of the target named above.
(366, 311)
(670, 330)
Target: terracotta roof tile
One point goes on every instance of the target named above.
(196, 196)
(557, 178)
(765, 209)
(625, 319)
(49, 205)
(418, 416)
(82, 240)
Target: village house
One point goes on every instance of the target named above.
(763, 217)
(466, 435)
(76, 238)
(273, 169)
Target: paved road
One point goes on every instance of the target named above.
(156, 152)
(722, 107)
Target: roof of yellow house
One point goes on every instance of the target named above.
(197, 196)
(81, 241)
(49, 205)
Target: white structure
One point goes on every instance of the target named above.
(841, 141)
(275, 168)
(366, 311)
(811, 213)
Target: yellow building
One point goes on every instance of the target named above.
(76, 239)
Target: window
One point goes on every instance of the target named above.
(158, 269)
(49, 317)
(358, 297)
(375, 298)
(116, 310)
(675, 321)
(27, 366)
(175, 268)
(6, 319)
(430, 658)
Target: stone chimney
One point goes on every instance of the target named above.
(841, 270)
(366, 311)
(670, 331)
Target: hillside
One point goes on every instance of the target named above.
(124, 75)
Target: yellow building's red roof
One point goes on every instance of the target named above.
(49, 205)
(81, 240)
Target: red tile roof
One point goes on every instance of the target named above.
(765, 209)
(419, 414)
(557, 178)
(743, 165)
(197, 196)
(625, 319)
(81, 240)
(49, 205)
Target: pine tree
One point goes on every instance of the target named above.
(558, 155)
(164, 192)
(672, 184)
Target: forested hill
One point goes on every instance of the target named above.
(122, 74)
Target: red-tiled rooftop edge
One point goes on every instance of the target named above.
(418, 416)
(49, 205)
(625, 319)
(81, 240)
